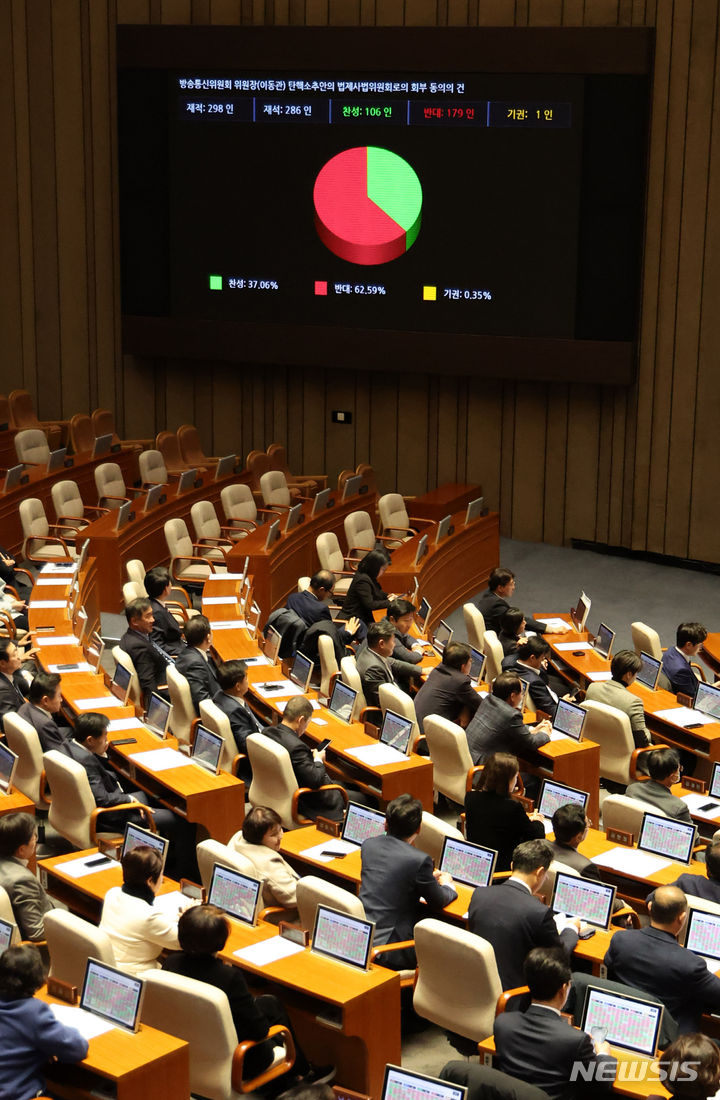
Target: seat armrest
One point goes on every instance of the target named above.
(637, 753)
(190, 559)
(240, 524)
(121, 500)
(145, 811)
(472, 772)
(270, 511)
(396, 527)
(296, 816)
(212, 543)
(272, 1071)
(503, 999)
(383, 948)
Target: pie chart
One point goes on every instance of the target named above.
(368, 204)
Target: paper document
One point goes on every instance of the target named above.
(596, 676)
(564, 647)
(313, 703)
(225, 577)
(59, 567)
(56, 582)
(57, 639)
(173, 904)
(684, 716)
(78, 868)
(219, 599)
(117, 724)
(332, 844)
(556, 735)
(268, 951)
(377, 754)
(695, 801)
(99, 701)
(277, 689)
(160, 760)
(629, 860)
(87, 1023)
(556, 624)
(229, 624)
(35, 604)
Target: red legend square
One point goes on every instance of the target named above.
(320, 287)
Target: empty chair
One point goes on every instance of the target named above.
(276, 492)
(218, 722)
(29, 777)
(240, 509)
(189, 564)
(210, 852)
(188, 438)
(361, 537)
(610, 729)
(82, 436)
(153, 470)
(328, 662)
(303, 584)
(313, 891)
(493, 650)
(71, 942)
(136, 572)
(394, 698)
(125, 660)
(457, 979)
(474, 626)
(43, 541)
(110, 485)
(394, 520)
(208, 532)
(331, 557)
(103, 423)
(621, 812)
(432, 835)
(453, 769)
(133, 591)
(646, 640)
(274, 783)
(167, 444)
(32, 448)
(307, 483)
(183, 712)
(23, 415)
(69, 507)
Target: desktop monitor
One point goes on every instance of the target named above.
(158, 715)
(112, 994)
(6, 934)
(8, 764)
(604, 640)
(702, 935)
(553, 795)
(82, 555)
(361, 823)
(443, 529)
(569, 719)
(582, 611)
(12, 477)
(271, 646)
(421, 549)
(441, 637)
(225, 466)
(663, 836)
(650, 671)
(320, 503)
(341, 937)
(405, 1084)
(236, 894)
(186, 481)
(342, 701)
(584, 898)
(207, 749)
(301, 671)
(707, 699)
(293, 517)
(422, 615)
(396, 731)
(57, 459)
(101, 445)
(273, 534)
(471, 864)
(351, 487)
(477, 664)
(152, 497)
(135, 836)
(120, 683)
(627, 1022)
(474, 509)
(122, 516)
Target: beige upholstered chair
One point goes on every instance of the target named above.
(44, 542)
(432, 835)
(31, 447)
(218, 722)
(69, 508)
(73, 812)
(153, 470)
(189, 564)
(136, 572)
(313, 891)
(493, 650)
(474, 626)
(393, 698)
(360, 535)
(453, 769)
(457, 982)
(274, 783)
(275, 490)
(133, 591)
(303, 584)
(610, 729)
(208, 532)
(122, 658)
(71, 942)
(646, 640)
(331, 557)
(328, 662)
(351, 677)
(200, 1014)
(29, 778)
(210, 852)
(394, 519)
(240, 509)
(621, 812)
(183, 709)
(6, 913)
(23, 415)
(110, 485)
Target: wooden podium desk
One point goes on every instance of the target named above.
(40, 485)
(452, 572)
(342, 1015)
(446, 500)
(145, 1065)
(275, 572)
(85, 895)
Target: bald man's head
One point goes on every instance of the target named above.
(668, 906)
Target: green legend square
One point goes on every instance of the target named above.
(216, 282)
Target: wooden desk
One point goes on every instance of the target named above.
(276, 571)
(15, 802)
(630, 885)
(446, 500)
(710, 652)
(341, 1015)
(452, 572)
(85, 895)
(141, 1066)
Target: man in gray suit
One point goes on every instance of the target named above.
(30, 903)
(376, 665)
(624, 667)
(663, 764)
(395, 876)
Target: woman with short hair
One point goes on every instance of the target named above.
(138, 931)
(259, 841)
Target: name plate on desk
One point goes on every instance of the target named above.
(64, 991)
(690, 784)
(325, 825)
(620, 836)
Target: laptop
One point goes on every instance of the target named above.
(441, 637)
(293, 517)
(443, 529)
(186, 481)
(702, 935)
(6, 934)
(152, 497)
(342, 701)
(320, 503)
(273, 534)
(421, 549)
(236, 894)
(207, 749)
(707, 699)
(471, 864)
(56, 459)
(603, 641)
(225, 466)
(627, 1022)
(477, 665)
(12, 477)
(568, 721)
(121, 516)
(474, 509)
(663, 836)
(135, 836)
(158, 715)
(582, 611)
(362, 823)
(582, 897)
(120, 684)
(301, 671)
(422, 615)
(650, 671)
(396, 731)
(554, 795)
(342, 938)
(101, 445)
(351, 488)
(8, 764)
(112, 994)
(404, 1084)
(271, 646)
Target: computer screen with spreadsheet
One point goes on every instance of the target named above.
(707, 699)
(6, 931)
(468, 863)
(120, 683)
(343, 938)
(714, 788)
(628, 1022)
(403, 1084)
(8, 763)
(581, 897)
(569, 719)
(112, 994)
(158, 715)
(236, 894)
(664, 837)
(301, 671)
(648, 674)
(136, 836)
(554, 794)
(396, 731)
(207, 749)
(342, 701)
(703, 935)
(361, 823)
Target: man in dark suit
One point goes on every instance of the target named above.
(494, 602)
(513, 920)
(498, 725)
(44, 702)
(12, 683)
(400, 613)
(530, 662)
(700, 886)
(689, 638)
(166, 629)
(448, 690)
(651, 959)
(539, 1046)
(149, 659)
(395, 876)
(195, 662)
(308, 764)
(312, 607)
(232, 677)
(375, 663)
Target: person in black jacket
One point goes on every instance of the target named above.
(448, 690)
(512, 630)
(42, 710)
(13, 686)
(530, 662)
(232, 677)
(148, 657)
(166, 629)
(195, 662)
(400, 614)
(365, 594)
(493, 817)
(203, 931)
(493, 602)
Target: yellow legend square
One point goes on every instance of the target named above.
(429, 294)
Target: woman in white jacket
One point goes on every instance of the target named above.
(138, 930)
(259, 841)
